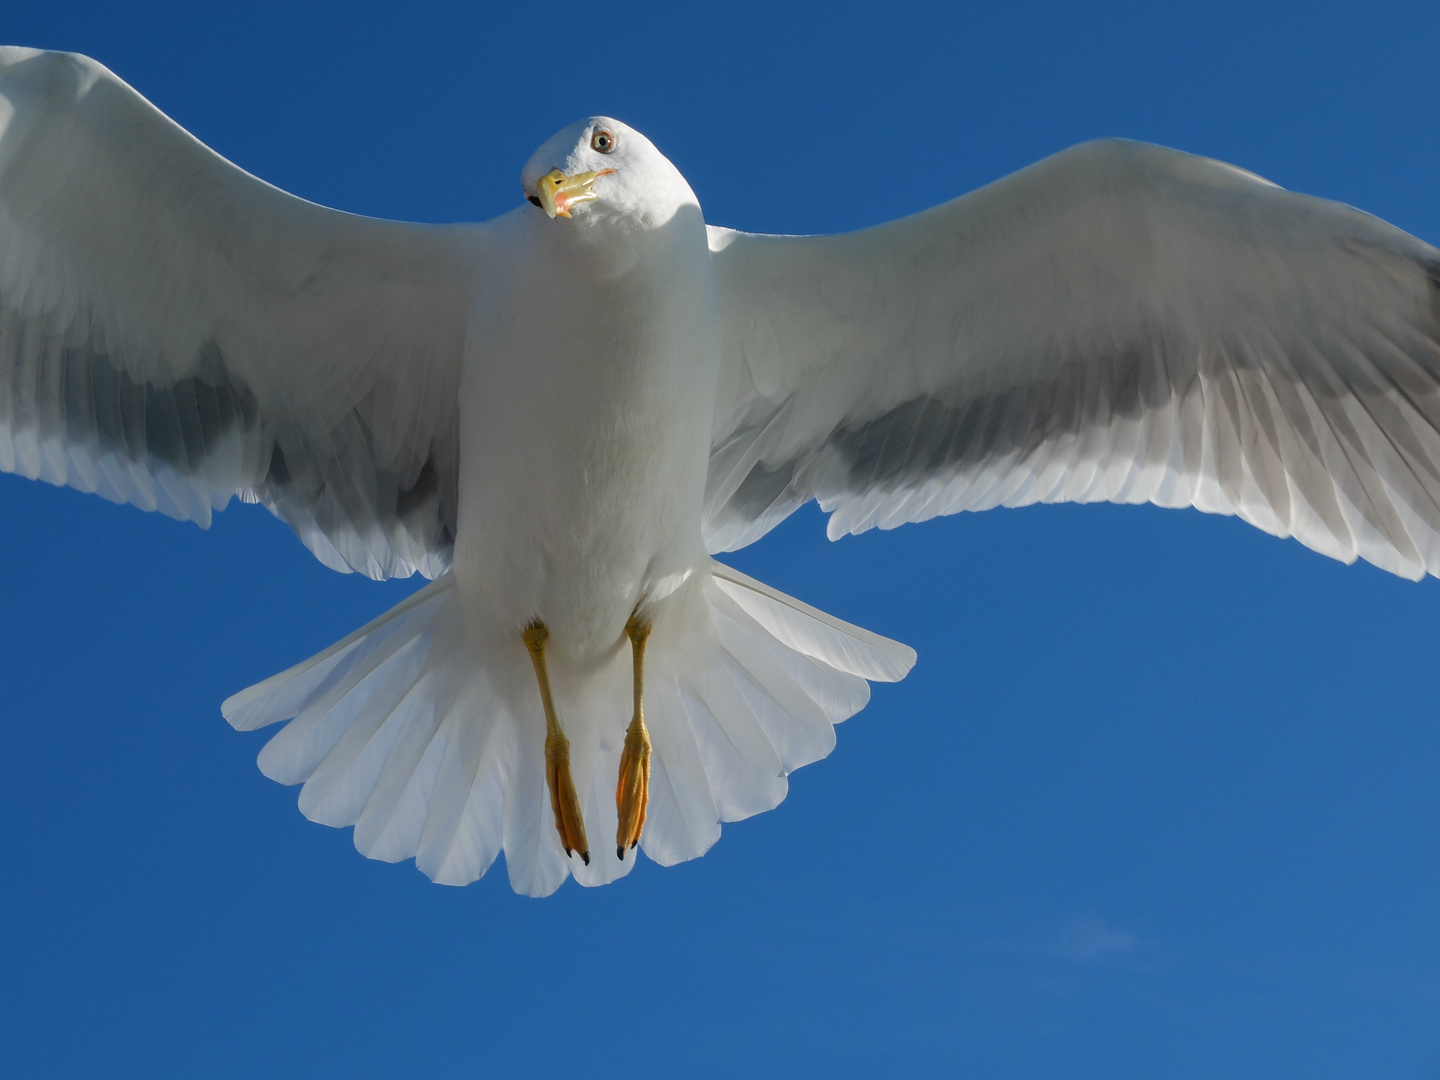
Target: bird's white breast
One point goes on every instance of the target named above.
(585, 415)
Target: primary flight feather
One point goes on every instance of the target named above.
(560, 414)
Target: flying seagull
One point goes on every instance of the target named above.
(561, 415)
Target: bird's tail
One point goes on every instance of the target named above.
(436, 753)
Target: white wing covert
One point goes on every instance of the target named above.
(1118, 322)
(174, 331)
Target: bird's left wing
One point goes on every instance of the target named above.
(1118, 322)
(174, 332)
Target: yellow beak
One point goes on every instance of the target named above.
(559, 194)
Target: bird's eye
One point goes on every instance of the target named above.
(602, 141)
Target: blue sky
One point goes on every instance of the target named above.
(1162, 796)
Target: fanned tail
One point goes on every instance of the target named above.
(433, 749)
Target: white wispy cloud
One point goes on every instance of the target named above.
(1088, 938)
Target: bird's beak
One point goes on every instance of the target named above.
(558, 194)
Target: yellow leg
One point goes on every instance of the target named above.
(568, 821)
(632, 791)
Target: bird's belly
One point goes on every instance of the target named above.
(582, 482)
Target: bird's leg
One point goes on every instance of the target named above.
(632, 791)
(568, 821)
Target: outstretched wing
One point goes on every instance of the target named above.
(1119, 322)
(174, 331)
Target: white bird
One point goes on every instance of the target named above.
(561, 414)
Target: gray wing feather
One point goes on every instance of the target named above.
(1119, 322)
(174, 332)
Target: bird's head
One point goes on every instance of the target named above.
(600, 169)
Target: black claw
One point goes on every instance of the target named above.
(586, 856)
(634, 842)
(619, 852)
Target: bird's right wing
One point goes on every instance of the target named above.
(174, 332)
(1119, 322)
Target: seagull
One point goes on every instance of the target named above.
(561, 416)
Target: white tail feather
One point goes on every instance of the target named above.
(435, 752)
(812, 632)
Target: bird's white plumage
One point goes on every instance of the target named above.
(557, 419)
(591, 368)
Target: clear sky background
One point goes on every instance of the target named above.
(1162, 797)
